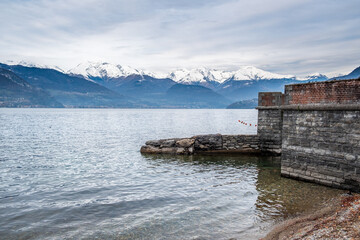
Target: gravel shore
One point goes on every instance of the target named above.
(339, 220)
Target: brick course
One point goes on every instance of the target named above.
(339, 92)
(267, 99)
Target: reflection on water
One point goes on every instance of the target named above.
(277, 199)
(78, 174)
(280, 198)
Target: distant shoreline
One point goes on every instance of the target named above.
(124, 108)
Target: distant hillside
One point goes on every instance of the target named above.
(244, 104)
(16, 92)
(143, 87)
(355, 74)
(72, 91)
(192, 96)
(244, 90)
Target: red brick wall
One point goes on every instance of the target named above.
(343, 91)
(267, 99)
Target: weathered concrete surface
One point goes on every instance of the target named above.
(270, 130)
(212, 143)
(322, 147)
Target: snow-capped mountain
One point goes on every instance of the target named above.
(253, 73)
(35, 65)
(355, 74)
(157, 75)
(202, 75)
(313, 77)
(103, 70)
(193, 76)
(112, 85)
(199, 75)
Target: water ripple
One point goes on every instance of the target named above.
(78, 174)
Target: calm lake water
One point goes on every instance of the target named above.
(78, 174)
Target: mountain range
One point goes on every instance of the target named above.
(69, 90)
(108, 85)
(16, 92)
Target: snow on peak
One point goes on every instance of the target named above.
(155, 74)
(199, 75)
(313, 76)
(102, 70)
(253, 73)
(32, 64)
(187, 76)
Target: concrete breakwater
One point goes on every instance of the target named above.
(212, 143)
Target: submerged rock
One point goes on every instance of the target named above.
(150, 149)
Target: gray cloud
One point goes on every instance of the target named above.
(292, 37)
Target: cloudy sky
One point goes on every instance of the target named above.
(289, 37)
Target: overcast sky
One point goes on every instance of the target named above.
(284, 36)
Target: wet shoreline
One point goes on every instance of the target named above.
(339, 219)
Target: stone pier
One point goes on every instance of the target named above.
(314, 126)
(318, 127)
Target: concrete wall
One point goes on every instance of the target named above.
(270, 121)
(322, 147)
(316, 128)
(321, 133)
(270, 130)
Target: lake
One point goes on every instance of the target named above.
(78, 174)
